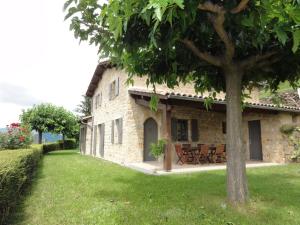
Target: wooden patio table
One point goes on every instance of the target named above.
(195, 153)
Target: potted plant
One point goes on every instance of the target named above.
(158, 149)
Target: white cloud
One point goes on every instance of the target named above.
(18, 95)
(40, 58)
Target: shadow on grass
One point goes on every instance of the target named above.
(133, 194)
(62, 152)
(271, 192)
(17, 214)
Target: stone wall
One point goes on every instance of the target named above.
(275, 146)
(108, 111)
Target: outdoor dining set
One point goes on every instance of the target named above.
(202, 153)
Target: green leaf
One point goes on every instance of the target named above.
(296, 38)
(179, 3)
(154, 102)
(158, 13)
(248, 21)
(281, 35)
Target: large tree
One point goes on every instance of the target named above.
(84, 108)
(51, 118)
(40, 118)
(66, 123)
(220, 45)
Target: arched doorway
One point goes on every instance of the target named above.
(150, 136)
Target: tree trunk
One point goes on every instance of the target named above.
(40, 133)
(237, 188)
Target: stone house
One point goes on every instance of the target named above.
(121, 126)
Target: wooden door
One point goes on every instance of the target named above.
(101, 142)
(255, 145)
(150, 136)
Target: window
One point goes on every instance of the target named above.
(98, 100)
(179, 129)
(224, 127)
(114, 89)
(118, 123)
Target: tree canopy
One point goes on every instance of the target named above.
(160, 39)
(84, 108)
(50, 118)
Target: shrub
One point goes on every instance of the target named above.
(158, 148)
(293, 134)
(69, 144)
(51, 147)
(16, 170)
(60, 145)
(16, 137)
(287, 129)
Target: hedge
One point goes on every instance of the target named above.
(16, 170)
(60, 145)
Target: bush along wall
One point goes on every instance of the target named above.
(16, 170)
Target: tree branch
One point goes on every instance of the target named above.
(240, 7)
(252, 61)
(267, 62)
(218, 20)
(201, 55)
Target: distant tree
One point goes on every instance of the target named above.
(40, 118)
(66, 123)
(51, 118)
(220, 45)
(84, 108)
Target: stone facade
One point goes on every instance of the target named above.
(274, 146)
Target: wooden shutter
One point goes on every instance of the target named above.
(117, 87)
(224, 127)
(174, 129)
(112, 131)
(97, 101)
(195, 131)
(120, 130)
(109, 91)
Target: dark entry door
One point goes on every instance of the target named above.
(150, 136)
(255, 140)
(102, 135)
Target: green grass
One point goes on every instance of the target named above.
(74, 189)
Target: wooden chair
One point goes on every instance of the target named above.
(220, 155)
(204, 153)
(183, 156)
(187, 149)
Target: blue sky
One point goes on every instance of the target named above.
(40, 60)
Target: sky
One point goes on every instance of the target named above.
(40, 60)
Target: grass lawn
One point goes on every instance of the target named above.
(74, 189)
